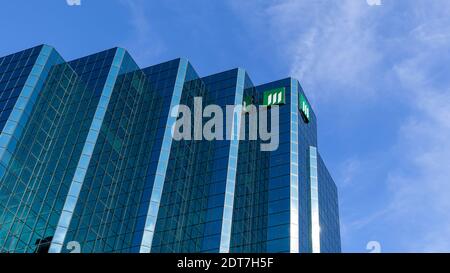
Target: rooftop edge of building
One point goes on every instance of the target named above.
(179, 59)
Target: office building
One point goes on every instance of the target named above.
(88, 161)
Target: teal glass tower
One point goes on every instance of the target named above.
(88, 162)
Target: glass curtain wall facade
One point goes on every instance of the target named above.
(88, 162)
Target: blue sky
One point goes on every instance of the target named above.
(377, 77)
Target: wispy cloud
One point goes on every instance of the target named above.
(424, 180)
(144, 42)
(330, 41)
(324, 41)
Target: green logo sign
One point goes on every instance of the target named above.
(274, 97)
(304, 107)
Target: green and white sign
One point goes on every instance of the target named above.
(274, 97)
(304, 107)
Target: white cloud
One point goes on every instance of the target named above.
(418, 207)
(144, 43)
(328, 41)
(424, 137)
(349, 169)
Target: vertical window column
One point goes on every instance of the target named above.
(23, 107)
(86, 155)
(315, 225)
(294, 229)
(164, 155)
(225, 235)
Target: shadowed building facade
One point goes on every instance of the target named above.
(88, 162)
